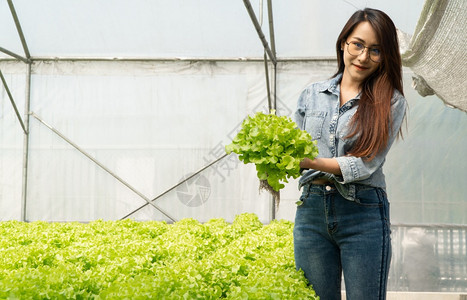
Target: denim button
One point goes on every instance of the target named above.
(328, 188)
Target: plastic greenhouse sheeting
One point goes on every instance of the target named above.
(148, 136)
(151, 124)
(118, 90)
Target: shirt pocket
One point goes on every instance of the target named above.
(314, 121)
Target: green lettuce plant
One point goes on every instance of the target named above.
(275, 145)
(150, 260)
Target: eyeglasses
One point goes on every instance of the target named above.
(357, 48)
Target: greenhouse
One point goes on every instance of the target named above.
(98, 106)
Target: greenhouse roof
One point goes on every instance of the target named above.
(180, 28)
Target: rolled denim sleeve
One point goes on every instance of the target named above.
(356, 168)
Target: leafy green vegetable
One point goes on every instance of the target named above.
(150, 260)
(275, 145)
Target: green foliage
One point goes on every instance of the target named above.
(275, 145)
(150, 260)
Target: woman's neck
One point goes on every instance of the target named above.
(349, 89)
(350, 85)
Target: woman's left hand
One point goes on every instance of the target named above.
(328, 165)
(305, 163)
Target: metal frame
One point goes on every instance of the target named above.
(173, 59)
(176, 185)
(19, 29)
(28, 60)
(269, 57)
(26, 146)
(272, 56)
(24, 125)
(13, 102)
(12, 54)
(272, 102)
(271, 53)
(101, 165)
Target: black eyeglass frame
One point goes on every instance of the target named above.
(364, 47)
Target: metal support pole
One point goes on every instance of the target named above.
(271, 28)
(27, 106)
(266, 71)
(19, 29)
(26, 146)
(102, 166)
(274, 76)
(253, 18)
(272, 55)
(13, 102)
(273, 49)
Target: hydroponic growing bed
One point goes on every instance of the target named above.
(144, 260)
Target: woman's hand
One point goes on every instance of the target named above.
(328, 165)
(305, 163)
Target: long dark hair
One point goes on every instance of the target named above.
(372, 121)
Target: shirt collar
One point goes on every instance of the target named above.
(332, 85)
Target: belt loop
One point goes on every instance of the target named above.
(306, 189)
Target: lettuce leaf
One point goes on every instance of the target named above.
(275, 145)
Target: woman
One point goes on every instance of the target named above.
(342, 225)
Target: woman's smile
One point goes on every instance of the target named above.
(360, 67)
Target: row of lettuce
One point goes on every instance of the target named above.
(150, 260)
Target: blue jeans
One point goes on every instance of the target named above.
(334, 235)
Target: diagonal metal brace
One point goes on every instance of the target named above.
(178, 184)
(103, 167)
(253, 18)
(13, 103)
(19, 29)
(17, 56)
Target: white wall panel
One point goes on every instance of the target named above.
(11, 140)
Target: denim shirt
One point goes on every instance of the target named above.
(320, 114)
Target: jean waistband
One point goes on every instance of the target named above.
(325, 187)
(321, 181)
